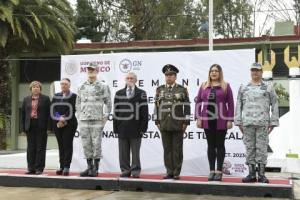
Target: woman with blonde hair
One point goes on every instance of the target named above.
(35, 118)
(214, 113)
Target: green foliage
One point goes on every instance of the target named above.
(281, 92)
(38, 25)
(123, 20)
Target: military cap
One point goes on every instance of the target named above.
(169, 69)
(256, 66)
(92, 66)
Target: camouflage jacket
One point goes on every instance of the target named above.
(93, 101)
(254, 103)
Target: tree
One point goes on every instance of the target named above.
(123, 20)
(33, 26)
(164, 19)
(86, 21)
(231, 17)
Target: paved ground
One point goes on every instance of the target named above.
(65, 194)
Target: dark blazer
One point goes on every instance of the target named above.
(64, 109)
(43, 112)
(137, 122)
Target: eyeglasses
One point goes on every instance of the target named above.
(129, 78)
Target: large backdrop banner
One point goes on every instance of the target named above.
(193, 70)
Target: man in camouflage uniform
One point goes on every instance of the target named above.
(253, 118)
(172, 116)
(93, 105)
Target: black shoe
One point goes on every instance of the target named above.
(168, 176)
(59, 171)
(94, 171)
(38, 172)
(176, 177)
(211, 176)
(85, 173)
(30, 172)
(263, 179)
(218, 177)
(66, 172)
(249, 179)
(124, 175)
(135, 176)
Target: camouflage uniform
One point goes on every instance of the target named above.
(253, 113)
(169, 104)
(93, 105)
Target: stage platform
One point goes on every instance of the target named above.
(230, 186)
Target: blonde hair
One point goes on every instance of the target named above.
(221, 78)
(35, 83)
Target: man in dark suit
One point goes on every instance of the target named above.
(35, 118)
(130, 123)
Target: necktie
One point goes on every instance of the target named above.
(129, 92)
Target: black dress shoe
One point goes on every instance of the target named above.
(123, 175)
(30, 172)
(59, 171)
(66, 172)
(135, 176)
(38, 172)
(176, 177)
(168, 176)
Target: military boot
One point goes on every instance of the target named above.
(251, 176)
(261, 174)
(86, 172)
(94, 171)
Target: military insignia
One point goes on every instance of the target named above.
(161, 94)
(168, 95)
(179, 96)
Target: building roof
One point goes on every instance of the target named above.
(187, 43)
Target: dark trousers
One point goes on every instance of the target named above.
(36, 147)
(215, 147)
(65, 138)
(127, 145)
(173, 154)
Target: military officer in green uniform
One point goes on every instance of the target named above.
(172, 116)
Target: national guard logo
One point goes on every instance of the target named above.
(125, 65)
(70, 68)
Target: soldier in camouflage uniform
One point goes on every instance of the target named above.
(172, 116)
(93, 105)
(253, 118)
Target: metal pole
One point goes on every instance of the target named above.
(210, 25)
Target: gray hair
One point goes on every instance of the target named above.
(133, 74)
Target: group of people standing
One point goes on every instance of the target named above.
(214, 112)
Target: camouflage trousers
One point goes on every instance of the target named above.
(91, 138)
(256, 140)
